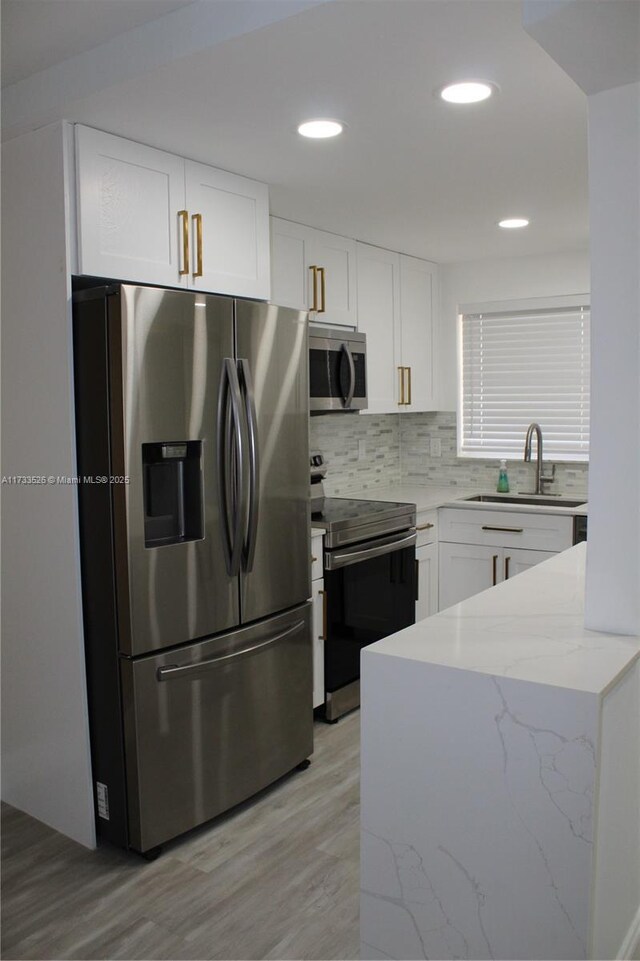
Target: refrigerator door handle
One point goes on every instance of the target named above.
(352, 376)
(249, 550)
(174, 671)
(231, 485)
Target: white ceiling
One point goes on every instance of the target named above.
(36, 34)
(410, 173)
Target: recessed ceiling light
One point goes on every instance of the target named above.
(320, 129)
(511, 223)
(470, 91)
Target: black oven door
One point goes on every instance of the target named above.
(371, 593)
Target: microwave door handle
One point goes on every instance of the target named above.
(249, 548)
(352, 376)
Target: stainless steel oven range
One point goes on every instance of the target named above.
(370, 581)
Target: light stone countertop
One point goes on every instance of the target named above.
(529, 628)
(429, 498)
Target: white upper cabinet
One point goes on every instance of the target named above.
(314, 270)
(331, 278)
(379, 318)
(128, 198)
(417, 347)
(150, 217)
(396, 297)
(229, 232)
(289, 264)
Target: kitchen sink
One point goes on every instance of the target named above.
(533, 500)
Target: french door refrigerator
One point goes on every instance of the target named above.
(192, 433)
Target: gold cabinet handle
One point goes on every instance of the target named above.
(184, 216)
(323, 292)
(424, 527)
(314, 305)
(408, 370)
(197, 219)
(494, 571)
(313, 559)
(507, 561)
(401, 376)
(323, 636)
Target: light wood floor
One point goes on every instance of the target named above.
(276, 878)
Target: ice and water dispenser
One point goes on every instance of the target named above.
(173, 510)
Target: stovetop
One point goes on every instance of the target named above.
(347, 520)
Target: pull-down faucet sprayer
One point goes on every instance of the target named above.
(541, 478)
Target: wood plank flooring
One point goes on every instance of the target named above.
(276, 878)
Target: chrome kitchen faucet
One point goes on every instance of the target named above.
(541, 478)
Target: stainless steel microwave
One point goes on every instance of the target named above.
(337, 370)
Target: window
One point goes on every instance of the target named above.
(525, 362)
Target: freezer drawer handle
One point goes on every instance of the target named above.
(386, 545)
(172, 671)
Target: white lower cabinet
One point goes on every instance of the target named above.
(427, 602)
(478, 549)
(427, 560)
(318, 596)
(318, 619)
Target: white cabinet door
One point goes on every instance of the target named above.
(517, 560)
(466, 569)
(427, 603)
(229, 232)
(289, 264)
(378, 316)
(318, 597)
(418, 297)
(331, 287)
(128, 199)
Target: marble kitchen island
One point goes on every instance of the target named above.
(501, 779)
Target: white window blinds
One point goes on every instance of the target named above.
(520, 366)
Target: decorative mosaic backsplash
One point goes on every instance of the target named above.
(366, 451)
(418, 466)
(361, 451)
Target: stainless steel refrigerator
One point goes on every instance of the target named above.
(192, 433)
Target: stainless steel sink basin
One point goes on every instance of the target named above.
(533, 500)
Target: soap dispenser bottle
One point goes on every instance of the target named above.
(503, 480)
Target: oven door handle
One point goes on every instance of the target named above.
(333, 560)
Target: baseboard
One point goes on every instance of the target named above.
(631, 941)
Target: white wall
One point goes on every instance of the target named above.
(613, 569)
(46, 769)
(489, 280)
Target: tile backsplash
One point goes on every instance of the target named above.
(368, 450)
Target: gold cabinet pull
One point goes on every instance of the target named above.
(424, 527)
(323, 292)
(401, 375)
(184, 216)
(323, 636)
(507, 561)
(314, 304)
(408, 370)
(197, 219)
(494, 566)
(313, 559)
